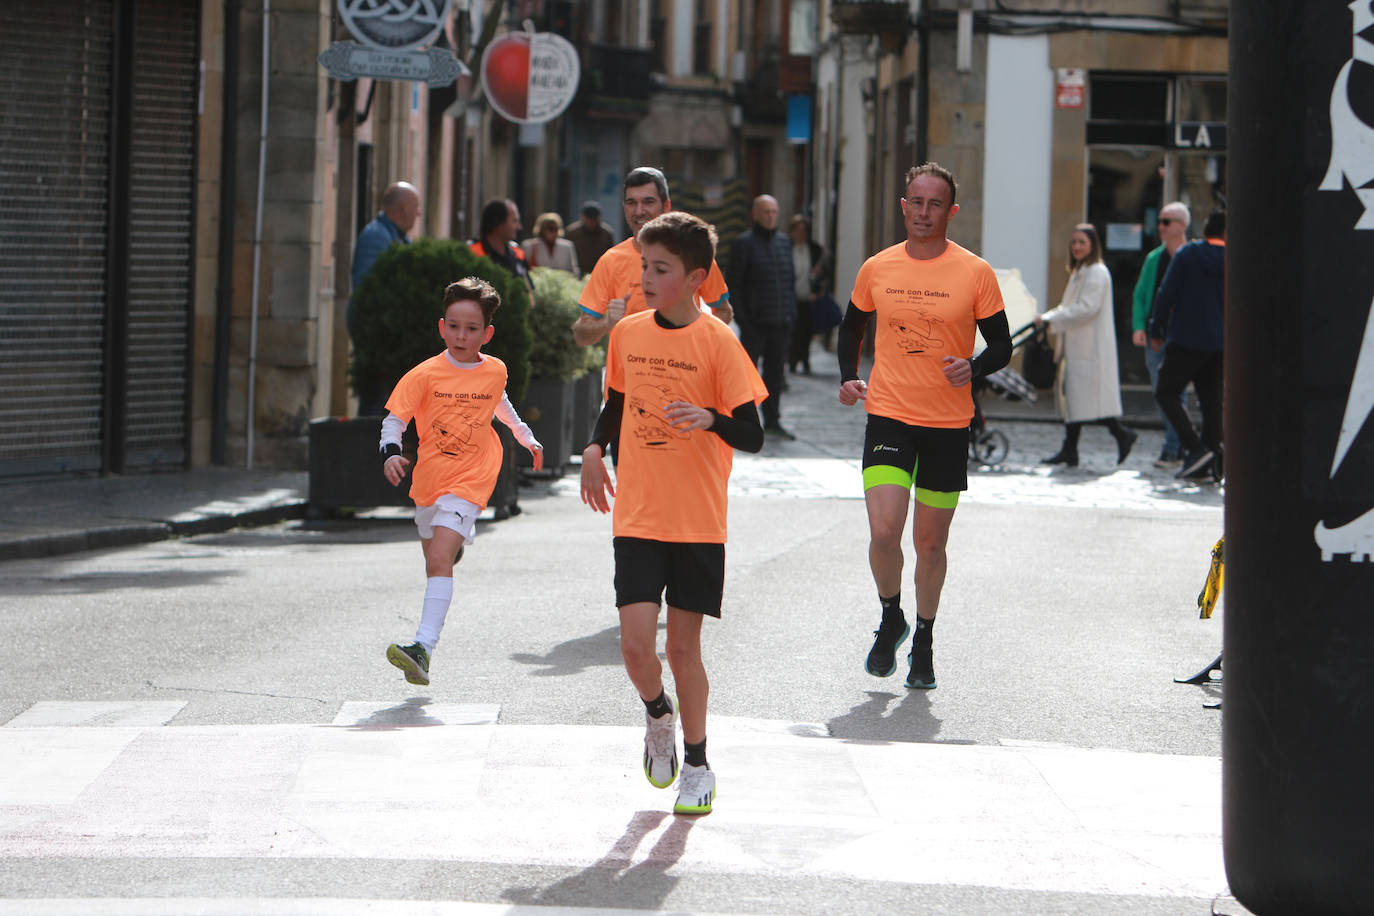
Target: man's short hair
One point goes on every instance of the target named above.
(1178, 206)
(690, 238)
(647, 174)
(1215, 227)
(496, 212)
(591, 208)
(473, 289)
(936, 169)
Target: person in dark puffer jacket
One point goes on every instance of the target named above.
(762, 290)
(1189, 315)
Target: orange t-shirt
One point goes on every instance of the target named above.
(616, 276)
(926, 310)
(460, 452)
(670, 484)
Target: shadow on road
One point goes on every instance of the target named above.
(97, 582)
(879, 718)
(410, 714)
(575, 655)
(612, 879)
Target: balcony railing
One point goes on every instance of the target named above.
(616, 81)
(871, 17)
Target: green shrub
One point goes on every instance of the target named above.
(554, 355)
(399, 303)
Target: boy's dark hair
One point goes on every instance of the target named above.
(496, 212)
(473, 289)
(689, 237)
(1215, 227)
(936, 169)
(647, 174)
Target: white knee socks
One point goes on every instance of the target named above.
(438, 594)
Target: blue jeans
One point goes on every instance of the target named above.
(1153, 361)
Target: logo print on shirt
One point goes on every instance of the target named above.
(647, 404)
(455, 431)
(914, 328)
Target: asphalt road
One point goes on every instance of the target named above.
(224, 661)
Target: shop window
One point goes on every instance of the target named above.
(1128, 110)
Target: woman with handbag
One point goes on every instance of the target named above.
(1089, 385)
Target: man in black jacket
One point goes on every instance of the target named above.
(761, 290)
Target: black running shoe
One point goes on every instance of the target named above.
(922, 674)
(882, 658)
(1197, 465)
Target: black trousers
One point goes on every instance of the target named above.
(1204, 369)
(768, 343)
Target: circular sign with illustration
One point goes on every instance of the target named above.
(395, 25)
(530, 77)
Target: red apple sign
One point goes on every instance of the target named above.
(530, 77)
(506, 74)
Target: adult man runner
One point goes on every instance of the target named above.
(929, 295)
(612, 291)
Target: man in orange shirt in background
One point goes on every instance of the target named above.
(612, 291)
(930, 295)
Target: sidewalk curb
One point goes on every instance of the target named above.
(113, 536)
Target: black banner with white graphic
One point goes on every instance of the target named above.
(1298, 730)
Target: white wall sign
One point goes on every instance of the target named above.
(530, 77)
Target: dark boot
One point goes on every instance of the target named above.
(1125, 438)
(1068, 452)
(1067, 456)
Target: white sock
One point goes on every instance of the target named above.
(438, 594)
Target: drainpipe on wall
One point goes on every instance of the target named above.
(224, 280)
(257, 231)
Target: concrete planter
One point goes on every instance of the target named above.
(586, 408)
(548, 408)
(346, 473)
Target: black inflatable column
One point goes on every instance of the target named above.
(1298, 726)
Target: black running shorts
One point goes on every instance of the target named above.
(693, 575)
(930, 457)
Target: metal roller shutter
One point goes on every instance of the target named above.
(55, 64)
(161, 199)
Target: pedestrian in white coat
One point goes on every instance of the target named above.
(1091, 391)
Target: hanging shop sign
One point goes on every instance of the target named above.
(391, 38)
(348, 60)
(395, 25)
(530, 77)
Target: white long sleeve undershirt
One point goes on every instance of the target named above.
(393, 427)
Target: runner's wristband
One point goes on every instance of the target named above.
(390, 449)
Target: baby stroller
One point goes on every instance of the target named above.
(986, 445)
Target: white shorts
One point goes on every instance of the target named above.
(448, 511)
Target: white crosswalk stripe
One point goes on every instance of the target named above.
(450, 782)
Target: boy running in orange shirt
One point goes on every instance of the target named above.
(681, 393)
(453, 397)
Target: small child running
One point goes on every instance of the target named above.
(681, 393)
(452, 397)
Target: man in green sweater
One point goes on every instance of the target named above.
(1173, 233)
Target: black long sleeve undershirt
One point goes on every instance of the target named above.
(741, 429)
(995, 330)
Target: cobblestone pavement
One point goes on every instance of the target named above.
(823, 462)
